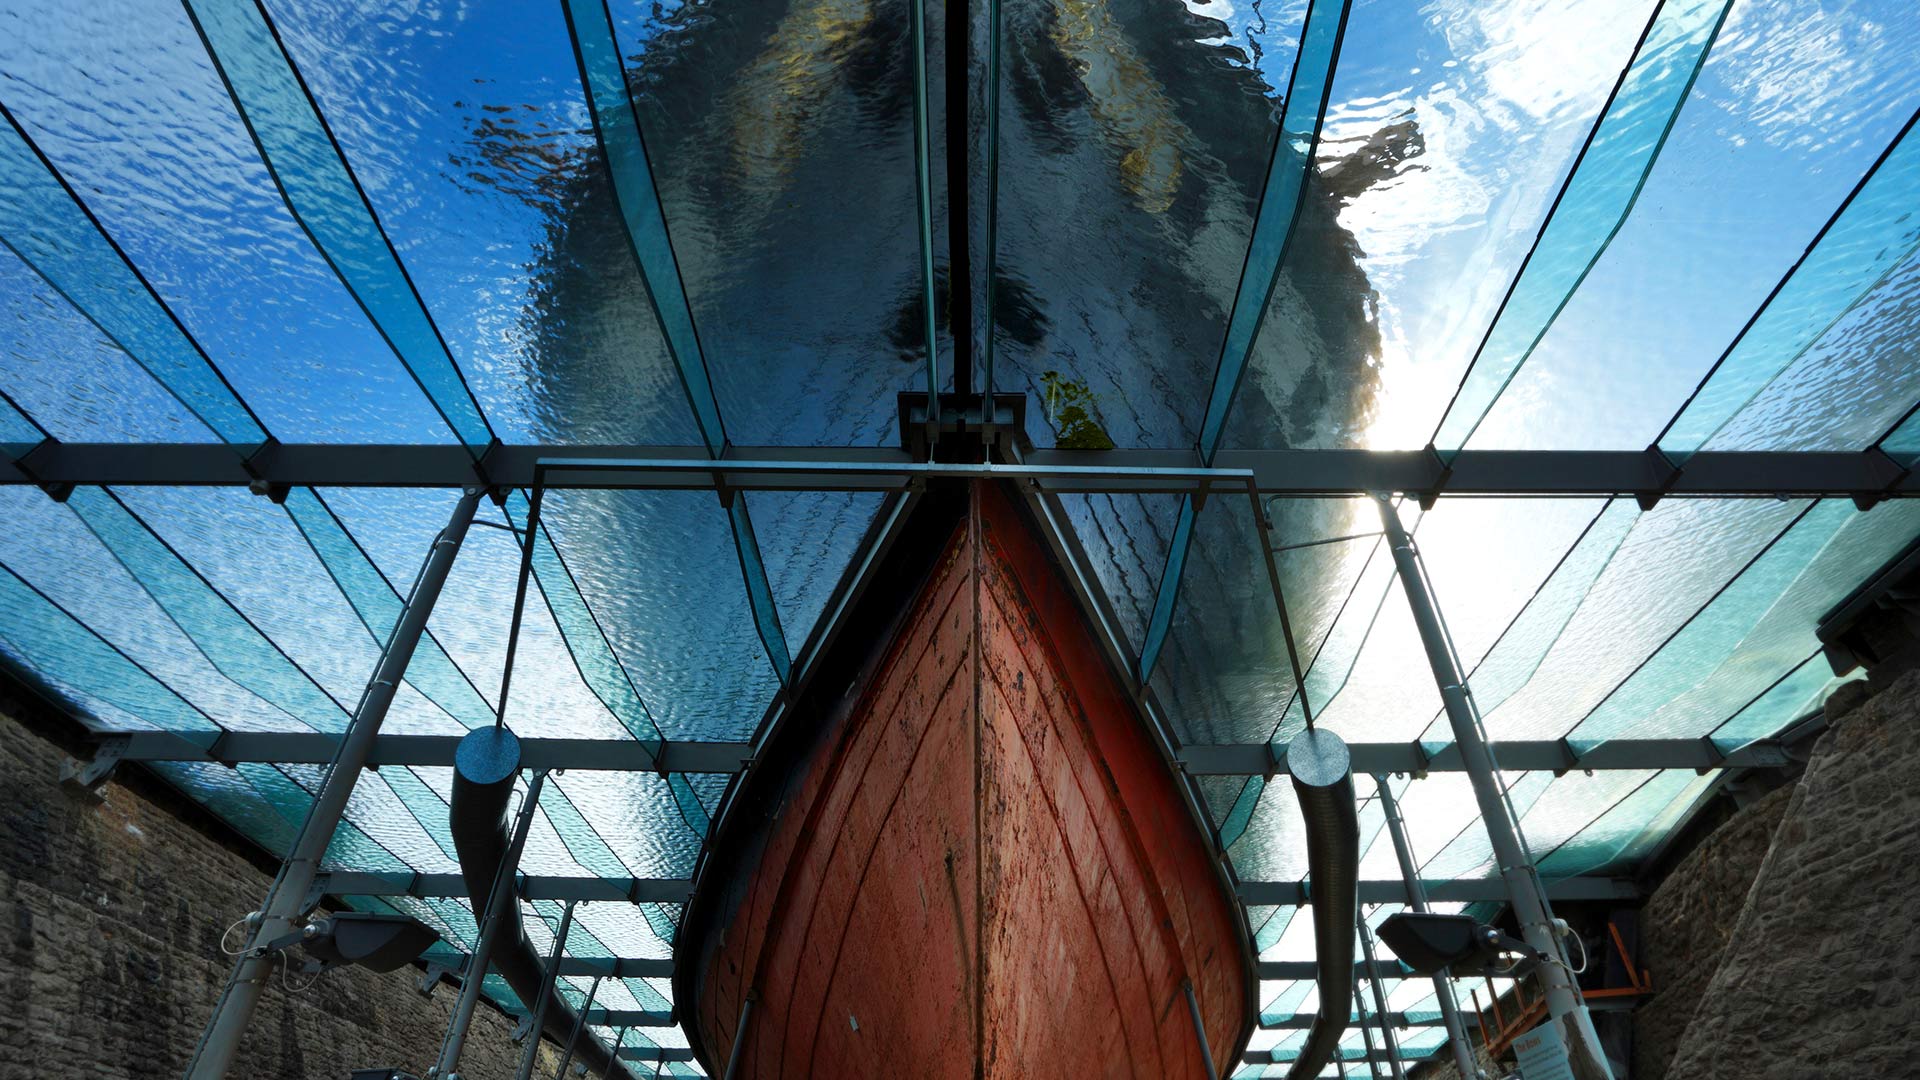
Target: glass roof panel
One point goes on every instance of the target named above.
(808, 539)
(472, 622)
(782, 147)
(661, 579)
(53, 550)
(1747, 179)
(1596, 198)
(72, 380)
(1794, 696)
(169, 170)
(1134, 145)
(1450, 127)
(480, 159)
(1754, 631)
(1653, 583)
(1224, 675)
(1850, 387)
(1126, 538)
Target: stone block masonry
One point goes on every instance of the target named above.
(112, 913)
(1818, 977)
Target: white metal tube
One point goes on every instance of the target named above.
(1529, 901)
(286, 898)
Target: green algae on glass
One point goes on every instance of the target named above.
(1071, 409)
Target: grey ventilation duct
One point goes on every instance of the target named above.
(1323, 782)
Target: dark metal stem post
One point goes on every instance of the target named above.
(1366, 1033)
(1380, 999)
(539, 1014)
(579, 1026)
(613, 1059)
(503, 894)
(739, 1039)
(1199, 1028)
(1529, 900)
(519, 600)
(286, 900)
(1417, 900)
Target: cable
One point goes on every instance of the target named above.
(237, 923)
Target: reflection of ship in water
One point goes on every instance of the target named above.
(1132, 159)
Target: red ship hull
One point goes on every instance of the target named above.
(977, 865)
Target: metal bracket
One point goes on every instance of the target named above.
(58, 492)
(255, 465)
(482, 469)
(1670, 475)
(315, 893)
(435, 974)
(1431, 495)
(522, 1029)
(84, 779)
(1886, 466)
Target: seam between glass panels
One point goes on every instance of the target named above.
(1689, 621)
(118, 651)
(1780, 287)
(275, 699)
(444, 408)
(1620, 219)
(599, 632)
(381, 637)
(1528, 606)
(254, 437)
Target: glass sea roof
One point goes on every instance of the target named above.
(280, 277)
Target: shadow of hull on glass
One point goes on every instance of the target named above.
(962, 853)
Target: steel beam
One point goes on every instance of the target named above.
(1283, 1057)
(1303, 1021)
(656, 1053)
(527, 887)
(627, 755)
(624, 967)
(286, 902)
(1459, 891)
(1523, 473)
(1524, 888)
(677, 890)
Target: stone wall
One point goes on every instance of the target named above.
(1687, 923)
(1817, 978)
(112, 913)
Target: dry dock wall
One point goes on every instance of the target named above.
(112, 912)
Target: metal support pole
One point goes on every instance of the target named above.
(613, 1059)
(1380, 1000)
(286, 901)
(1523, 884)
(1199, 1027)
(579, 1025)
(739, 1039)
(1417, 900)
(1366, 1033)
(539, 1014)
(447, 1068)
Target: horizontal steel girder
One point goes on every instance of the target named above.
(1278, 472)
(676, 890)
(1457, 891)
(1539, 755)
(655, 1053)
(1282, 1057)
(622, 967)
(625, 755)
(303, 748)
